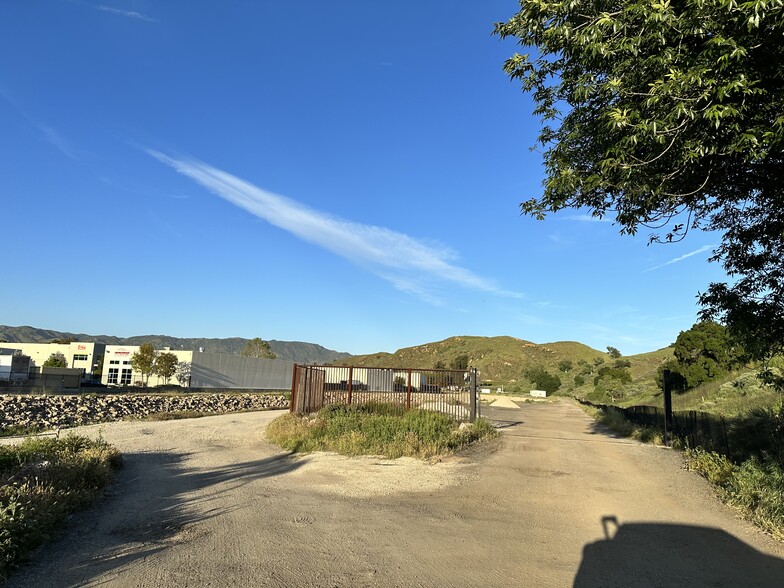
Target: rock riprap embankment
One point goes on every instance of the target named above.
(50, 412)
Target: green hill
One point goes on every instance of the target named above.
(500, 360)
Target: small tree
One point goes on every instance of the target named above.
(613, 352)
(460, 362)
(543, 379)
(183, 373)
(258, 348)
(619, 375)
(705, 352)
(565, 365)
(440, 365)
(57, 359)
(166, 365)
(98, 369)
(143, 361)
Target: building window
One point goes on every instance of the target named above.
(112, 376)
(125, 380)
(114, 362)
(126, 362)
(80, 357)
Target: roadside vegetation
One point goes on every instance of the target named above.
(750, 477)
(376, 429)
(42, 480)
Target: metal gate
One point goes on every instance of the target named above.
(452, 392)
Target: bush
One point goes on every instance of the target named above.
(43, 480)
(543, 380)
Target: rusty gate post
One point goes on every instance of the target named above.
(408, 393)
(350, 382)
(472, 410)
(292, 400)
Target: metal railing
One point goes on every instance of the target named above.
(452, 392)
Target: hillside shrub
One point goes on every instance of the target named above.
(543, 380)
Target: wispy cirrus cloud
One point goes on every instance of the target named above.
(586, 218)
(126, 13)
(56, 139)
(702, 249)
(48, 133)
(409, 264)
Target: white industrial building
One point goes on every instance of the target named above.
(112, 363)
(117, 369)
(78, 354)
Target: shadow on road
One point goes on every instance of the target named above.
(502, 418)
(662, 554)
(147, 510)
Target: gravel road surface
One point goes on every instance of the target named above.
(557, 501)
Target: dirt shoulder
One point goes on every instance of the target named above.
(208, 502)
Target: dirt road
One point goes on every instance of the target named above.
(208, 502)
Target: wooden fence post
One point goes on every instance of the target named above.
(667, 407)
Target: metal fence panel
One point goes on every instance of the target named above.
(214, 370)
(452, 392)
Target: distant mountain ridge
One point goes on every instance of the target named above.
(291, 350)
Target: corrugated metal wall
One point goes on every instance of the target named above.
(213, 370)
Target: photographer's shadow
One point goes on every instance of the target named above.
(662, 554)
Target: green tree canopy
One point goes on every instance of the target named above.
(183, 373)
(460, 362)
(668, 115)
(56, 359)
(143, 360)
(619, 375)
(258, 348)
(542, 379)
(613, 352)
(703, 353)
(166, 365)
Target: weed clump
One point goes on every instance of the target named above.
(42, 480)
(756, 486)
(376, 429)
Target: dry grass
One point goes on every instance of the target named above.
(44, 480)
(376, 429)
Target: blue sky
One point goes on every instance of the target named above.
(345, 173)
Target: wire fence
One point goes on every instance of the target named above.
(699, 429)
(452, 392)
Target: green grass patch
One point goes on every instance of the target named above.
(42, 480)
(18, 431)
(377, 429)
(616, 422)
(753, 482)
(756, 486)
